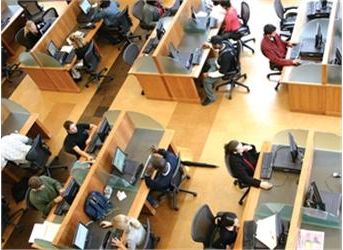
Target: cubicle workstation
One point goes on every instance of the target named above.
(134, 133)
(321, 159)
(164, 78)
(315, 85)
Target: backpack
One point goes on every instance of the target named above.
(97, 206)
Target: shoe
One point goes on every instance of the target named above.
(206, 101)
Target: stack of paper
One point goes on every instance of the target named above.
(266, 231)
(310, 240)
(44, 231)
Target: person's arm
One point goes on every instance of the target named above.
(83, 153)
(271, 55)
(92, 129)
(152, 184)
(239, 172)
(56, 184)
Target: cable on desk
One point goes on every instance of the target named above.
(282, 183)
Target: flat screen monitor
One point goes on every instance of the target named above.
(324, 3)
(319, 37)
(313, 198)
(173, 52)
(80, 237)
(338, 59)
(71, 191)
(293, 147)
(160, 30)
(119, 158)
(52, 49)
(85, 6)
(103, 130)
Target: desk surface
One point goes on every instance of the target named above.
(10, 14)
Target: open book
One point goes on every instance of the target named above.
(44, 231)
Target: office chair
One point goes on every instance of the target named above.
(244, 30)
(121, 30)
(91, 60)
(32, 10)
(130, 53)
(178, 177)
(204, 227)
(8, 70)
(21, 39)
(236, 182)
(277, 70)
(232, 77)
(39, 155)
(28, 203)
(287, 18)
(137, 12)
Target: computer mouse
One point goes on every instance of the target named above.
(336, 175)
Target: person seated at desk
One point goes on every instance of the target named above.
(243, 159)
(134, 232)
(14, 147)
(31, 34)
(165, 163)
(152, 12)
(231, 21)
(79, 44)
(228, 228)
(274, 48)
(217, 67)
(45, 193)
(78, 138)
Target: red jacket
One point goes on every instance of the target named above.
(275, 51)
(231, 20)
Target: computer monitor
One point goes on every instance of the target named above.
(324, 4)
(71, 191)
(85, 6)
(103, 130)
(119, 158)
(160, 30)
(81, 236)
(193, 14)
(293, 147)
(338, 59)
(319, 37)
(313, 198)
(173, 52)
(52, 49)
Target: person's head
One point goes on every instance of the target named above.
(70, 127)
(233, 147)
(105, 3)
(35, 183)
(124, 222)
(77, 40)
(225, 4)
(269, 30)
(216, 41)
(30, 26)
(158, 162)
(228, 220)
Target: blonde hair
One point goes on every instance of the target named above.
(30, 26)
(124, 222)
(77, 40)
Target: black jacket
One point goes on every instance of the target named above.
(227, 58)
(240, 169)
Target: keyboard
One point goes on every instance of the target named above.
(93, 145)
(267, 168)
(197, 54)
(61, 208)
(151, 45)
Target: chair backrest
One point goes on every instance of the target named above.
(178, 174)
(31, 7)
(4, 57)
(203, 225)
(38, 154)
(21, 39)
(278, 7)
(147, 242)
(245, 13)
(130, 53)
(236, 50)
(124, 21)
(49, 15)
(227, 164)
(137, 9)
(91, 57)
(27, 200)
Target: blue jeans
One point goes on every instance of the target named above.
(209, 81)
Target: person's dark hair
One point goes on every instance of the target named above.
(158, 162)
(268, 29)
(227, 220)
(35, 182)
(231, 147)
(67, 124)
(225, 3)
(105, 3)
(151, 2)
(216, 40)
(216, 2)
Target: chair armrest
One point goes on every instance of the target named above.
(291, 8)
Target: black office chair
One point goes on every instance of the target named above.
(232, 77)
(8, 70)
(91, 60)
(32, 10)
(244, 30)
(237, 181)
(204, 228)
(178, 177)
(39, 155)
(137, 12)
(121, 31)
(21, 39)
(151, 239)
(48, 18)
(287, 18)
(130, 53)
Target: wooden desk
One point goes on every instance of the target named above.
(15, 21)
(133, 132)
(316, 87)
(163, 78)
(291, 193)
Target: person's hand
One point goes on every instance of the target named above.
(296, 62)
(247, 147)
(290, 44)
(105, 224)
(266, 185)
(118, 243)
(61, 191)
(58, 199)
(206, 45)
(90, 158)
(205, 74)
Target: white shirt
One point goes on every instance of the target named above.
(14, 148)
(135, 237)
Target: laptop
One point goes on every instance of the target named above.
(81, 236)
(87, 9)
(128, 169)
(107, 241)
(184, 58)
(61, 56)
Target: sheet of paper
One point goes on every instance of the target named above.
(266, 231)
(37, 231)
(67, 48)
(44, 231)
(310, 240)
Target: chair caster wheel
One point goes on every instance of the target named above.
(240, 203)
(229, 97)
(248, 90)
(195, 195)
(176, 209)
(235, 183)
